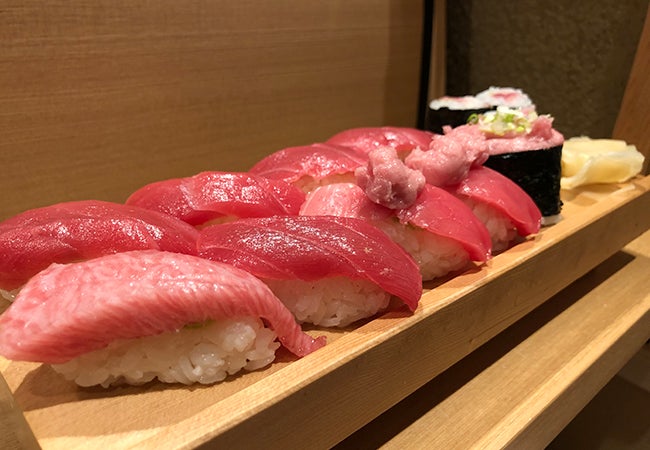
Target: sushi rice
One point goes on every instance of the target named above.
(502, 230)
(204, 353)
(330, 302)
(436, 256)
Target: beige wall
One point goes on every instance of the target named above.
(573, 58)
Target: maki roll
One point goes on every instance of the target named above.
(526, 148)
(506, 96)
(456, 111)
(452, 111)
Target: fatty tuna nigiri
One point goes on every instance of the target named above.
(328, 270)
(73, 231)
(134, 316)
(219, 195)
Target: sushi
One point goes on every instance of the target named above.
(309, 166)
(329, 271)
(402, 139)
(219, 196)
(438, 230)
(73, 231)
(450, 156)
(526, 148)
(135, 316)
(454, 111)
(506, 210)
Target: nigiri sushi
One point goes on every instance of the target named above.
(79, 230)
(135, 316)
(329, 271)
(367, 139)
(312, 165)
(506, 209)
(438, 230)
(210, 196)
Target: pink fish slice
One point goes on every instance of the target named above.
(69, 310)
(212, 195)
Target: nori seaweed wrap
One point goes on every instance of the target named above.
(537, 172)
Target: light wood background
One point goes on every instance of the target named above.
(98, 98)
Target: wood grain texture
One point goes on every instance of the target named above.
(101, 97)
(362, 372)
(633, 121)
(524, 398)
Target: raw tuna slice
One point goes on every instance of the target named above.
(218, 195)
(508, 203)
(439, 231)
(73, 231)
(402, 139)
(69, 310)
(309, 249)
(344, 200)
(311, 165)
(443, 214)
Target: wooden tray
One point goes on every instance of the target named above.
(363, 371)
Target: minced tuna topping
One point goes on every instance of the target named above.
(513, 130)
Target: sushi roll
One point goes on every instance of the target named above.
(329, 271)
(456, 111)
(219, 197)
(452, 111)
(509, 97)
(526, 148)
(131, 317)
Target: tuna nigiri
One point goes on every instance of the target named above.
(219, 195)
(73, 231)
(438, 230)
(134, 316)
(312, 165)
(329, 271)
(504, 207)
(366, 139)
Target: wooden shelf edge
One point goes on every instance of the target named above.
(527, 396)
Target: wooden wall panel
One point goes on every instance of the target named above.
(100, 97)
(633, 121)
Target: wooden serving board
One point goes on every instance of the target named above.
(363, 371)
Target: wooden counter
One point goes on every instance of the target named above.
(366, 370)
(523, 387)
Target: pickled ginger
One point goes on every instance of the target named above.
(595, 161)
